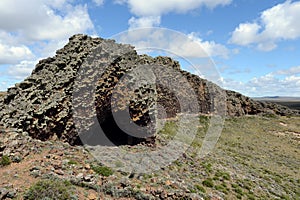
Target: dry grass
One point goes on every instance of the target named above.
(264, 162)
(255, 158)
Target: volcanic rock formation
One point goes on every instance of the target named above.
(93, 81)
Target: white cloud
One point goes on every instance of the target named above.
(37, 28)
(290, 71)
(278, 83)
(280, 22)
(21, 70)
(49, 48)
(158, 7)
(245, 34)
(42, 20)
(210, 47)
(160, 39)
(14, 54)
(12, 50)
(98, 2)
(143, 22)
(149, 15)
(267, 46)
(75, 21)
(272, 85)
(57, 4)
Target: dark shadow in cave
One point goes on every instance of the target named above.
(111, 135)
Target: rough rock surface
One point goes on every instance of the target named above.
(89, 73)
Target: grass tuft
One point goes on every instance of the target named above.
(102, 170)
(5, 160)
(208, 183)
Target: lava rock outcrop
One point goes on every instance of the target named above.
(92, 80)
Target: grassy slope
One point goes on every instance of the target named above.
(255, 158)
(263, 153)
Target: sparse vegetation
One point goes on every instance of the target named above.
(50, 189)
(223, 175)
(5, 160)
(221, 188)
(200, 188)
(239, 191)
(256, 157)
(207, 167)
(72, 162)
(243, 146)
(102, 170)
(208, 183)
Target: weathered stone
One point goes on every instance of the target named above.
(3, 193)
(93, 78)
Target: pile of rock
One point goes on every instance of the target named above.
(91, 80)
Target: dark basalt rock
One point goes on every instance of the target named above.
(91, 80)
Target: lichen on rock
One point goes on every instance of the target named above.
(90, 80)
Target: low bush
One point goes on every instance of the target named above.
(72, 162)
(102, 170)
(208, 183)
(200, 188)
(50, 189)
(5, 160)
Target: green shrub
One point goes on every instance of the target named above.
(238, 190)
(72, 162)
(200, 188)
(221, 188)
(50, 189)
(208, 183)
(5, 160)
(251, 197)
(208, 167)
(102, 170)
(226, 176)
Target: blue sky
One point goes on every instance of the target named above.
(254, 44)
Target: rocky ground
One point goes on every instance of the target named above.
(256, 157)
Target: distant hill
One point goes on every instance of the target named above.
(291, 102)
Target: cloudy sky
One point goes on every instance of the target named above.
(254, 44)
